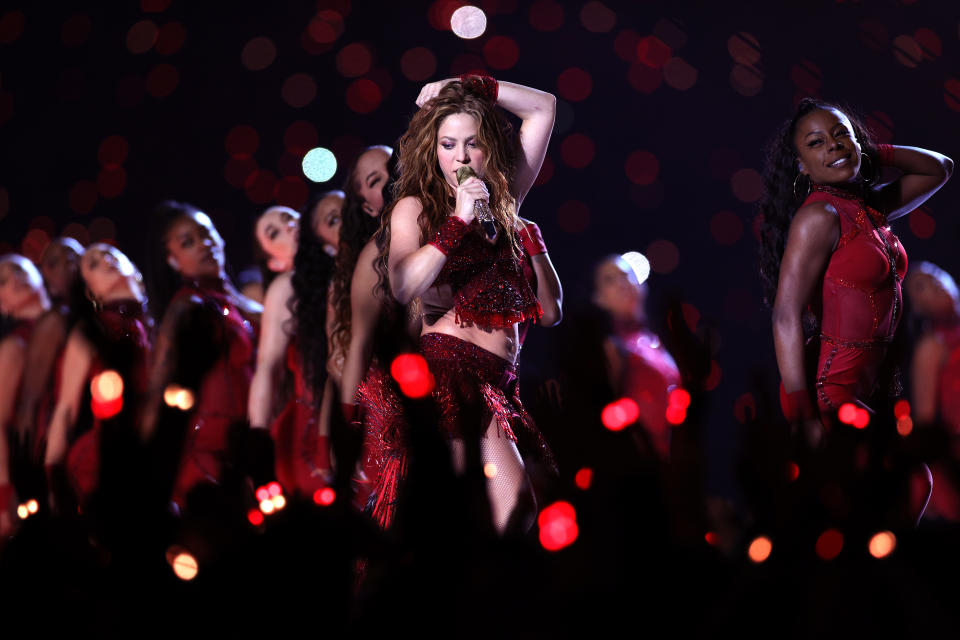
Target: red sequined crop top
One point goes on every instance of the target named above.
(488, 283)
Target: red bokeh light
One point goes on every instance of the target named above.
(299, 90)
(242, 141)
(170, 38)
(744, 48)
(154, 6)
(663, 255)
(274, 489)
(354, 60)
(882, 544)
(324, 496)
(679, 74)
(862, 419)
(255, 517)
(760, 549)
(412, 374)
(546, 15)
(711, 538)
(291, 191)
(440, 13)
(746, 80)
(107, 408)
(418, 64)
(847, 413)
(142, 36)
(383, 79)
(874, 34)
(680, 398)
(829, 544)
(901, 408)
(597, 17)
(501, 52)
(747, 185)
(642, 167)
(11, 26)
(300, 137)
(111, 181)
(676, 415)
(574, 84)
(83, 196)
(325, 27)
(807, 77)
(363, 95)
(262, 494)
(726, 227)
(573, 216)
(907, 51)
(652, 52)
(793, 471)
(75, 30)
(238, 169)
(644, 79)
(625, 45)
(259, 186)
(258, 54)
(620, 414)
(714, 377)
(584, 478)
(558, 526)
(922, 224)
(162, 80)
(577, 150)
(113, 151)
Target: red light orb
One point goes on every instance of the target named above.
(501, 52)
(577, 150)
(584, 478)
(142, 36)
(558, 526)
(113, 151)
(642, 167)
(258, 54)
(574, 84)
(760, 549)
(263, 494)
(260, 185)
(829, 544)
(107, 409)
(299, 90)
(274, 489)
(546, 15)
(676, 415)
(902, 408)
(793, 471)
(170, 38)
(618, 415)
(861, 419)
(324, 497)
(419, 63)
(354, 60)
(363, 95)
(652, 52)
(412, 374)
(847, 413)
(255, 517)
(711, 538)
(882, 544)
(242, 141)
(111, 181)
(679, 398)
(300, 137)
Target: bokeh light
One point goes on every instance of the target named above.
(546, 15)
(639, 263)
(412, 375)
(75, 30)
(747, 185)
(574, 84)
(760, 549)
(267, 506)
(299, 90)
(322, 31)
(597, 17)
(679, 74)
(882, 544)
(901, 408)
(162, 80)
(874, 34)
(113, 151)
(83, 196)
(620, 414)
(142, 36)
(419, 63)
(22, 512)
(490, 470)
(577, 150)
(951, 93)
(354, 60)
(255, 517)
(468, 22)
(907, 51)
(583, 478)
(363, 95)
(558, 526)
(324, 497)
(242, 141)
(807, 77)
(111, 181)
(625, 45)
(642, 167)
(32, 506)
(185, 566)
(258, 54)
(745, 408)
(670, 33)
(744, 48)
(501, 52)
(861, 419)
(726, 227)
(260, 186)
(653, 52)
(319, 164)
(179, 397)
(746, 80)
(829, 544)
(847, 413)
(440, 13)
(106, 386)
(663, 255)
(643, 78)
(76, 231)
(170, 38)
(905, 426)
(793, 471)
(238, 169)
(573, 216)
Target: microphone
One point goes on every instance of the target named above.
(480, 207)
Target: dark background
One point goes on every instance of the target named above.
(103, 115)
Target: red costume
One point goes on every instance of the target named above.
(861, 302)
(302, 455)
(222, 397)
(124, 324)
(383, 461)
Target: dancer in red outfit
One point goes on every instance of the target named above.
(840, 259)
(22, 301)
(293, 335)
(115, 336)
(469, 276)
(206, 327)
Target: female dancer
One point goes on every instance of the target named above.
(326, 216)
(840, 256)
(206, 333)
(22, 300)
(293, 334)
(115, 335)
(469, 278)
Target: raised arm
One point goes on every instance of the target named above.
(271, 352)
(814, 233)
(365, 309)
(537, 111)
(924, 172)
(77, 358)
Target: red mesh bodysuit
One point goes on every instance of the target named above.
(302, 454)
(124, 323)
(861, 302)
(222, 397)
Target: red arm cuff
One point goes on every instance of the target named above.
(450, 234)
(531, 240)
(796, 405)
(482, 83)
(885, 151)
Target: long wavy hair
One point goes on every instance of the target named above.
(419, 171)
(356, 229)
(312, 271)
(781, 170)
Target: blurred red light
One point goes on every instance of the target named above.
(847, 413)
(829, 544)
(263, 494)
(642, 167)
(274, 489)
(558, 526)
(676, 415)
(577, 150)
(324, 496)
(574, 84)
(760, 549)
(862, 419)
(363, 95)
(620, 414)
(793, 471)
(106, 409)
(711, 538)
(652, 52)
(584, 478)
(901, 408)
(679, 397)
(412, 374)
(501, 52)
(255, 517)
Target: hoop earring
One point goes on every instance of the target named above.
(797, 195)
(873, 175)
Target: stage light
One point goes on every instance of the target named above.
(829, 544)
(176, 396)
(584, 478)
(847, 413)
(22, 512)
(267, 506)
(558, 526)
(32, 506)
(882, 544)
(412, 374)
(319, 164)
(255, 517)
(262, 494)
(760, 549)
(640, 265)
(468, 22)
(490, 470)
(617, 415)
(324, 497)
(185, 566)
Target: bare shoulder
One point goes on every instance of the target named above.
(406, 210)
(817, 223)
(279, 291)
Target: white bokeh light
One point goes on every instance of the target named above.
(639, 263)
(468, 22)
(319, 165)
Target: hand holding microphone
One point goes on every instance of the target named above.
(481, 208)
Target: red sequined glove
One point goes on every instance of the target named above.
(450, 234)
(531, 239)
(482, 83)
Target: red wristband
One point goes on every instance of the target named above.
(885, 151)
(796, 405)
(450, 234)
(482, 83)
(531, 240)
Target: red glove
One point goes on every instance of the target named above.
(531, 240)
(450, 234)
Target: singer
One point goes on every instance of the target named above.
(470, 281)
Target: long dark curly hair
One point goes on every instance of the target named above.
(780, 203)
(355, 231)
(312, 271)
